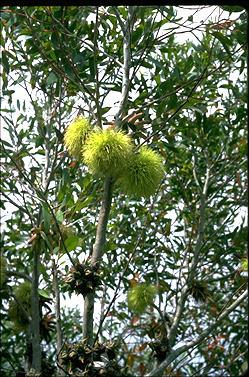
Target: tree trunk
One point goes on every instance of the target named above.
(98, 248)
(35, 312)
(57, 316)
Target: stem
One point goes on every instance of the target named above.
(99, 244)
(178, 351)
(127, 30)
(95, 56)
(198, 246)
(57, 314)
(102, 222)
(28, 353)
(35, 312)
(98, 248)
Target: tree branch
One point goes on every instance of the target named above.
(198, 246)
(95, 54)
(57, 313)
(127, 30)
(178, 351)
(35, 311)
(98, 248)
(19, 275)
(107, 196)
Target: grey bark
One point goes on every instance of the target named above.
(98, 248)
(107, 197)
(57, 316)
(35, 312)
(178, 351)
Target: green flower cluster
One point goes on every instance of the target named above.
(75, 136)
(3, 269)
(140, 297)
(106, 152)
(144, 171)
(19, 309)
(111, 153)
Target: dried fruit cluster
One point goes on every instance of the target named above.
(83, 278)
(199, 291)
(81, 358)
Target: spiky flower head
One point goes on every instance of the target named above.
(143, 173)
(140, 297)
(244, 264)
(19, 309)
(106, 152)
(23, 292)
(75, 136)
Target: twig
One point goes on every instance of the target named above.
(133, 253)
(200, 232)
(57, 309)
(126, 65)
(178, 351)
(19, 275)
(35, 310)
(95, 52)
(98, 248)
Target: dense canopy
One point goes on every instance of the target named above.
(150, 284)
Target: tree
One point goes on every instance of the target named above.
(158, 257)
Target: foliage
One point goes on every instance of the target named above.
(185, 106)
(3, 268)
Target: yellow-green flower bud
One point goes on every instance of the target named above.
(140, 297)
(18, 308)
(3, 269)
(75, 136)
(143, 173)
(106, 152)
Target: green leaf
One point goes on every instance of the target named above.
(82, 204)
(105, 110)
(46, 217)
(232, 8)
(18, 104)
(55, 41)
(52, 78)
(225, 41)
(45, 238)
(59, 216)
(91, 66)
(5, 62)
(44, 293)
(72, 242)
